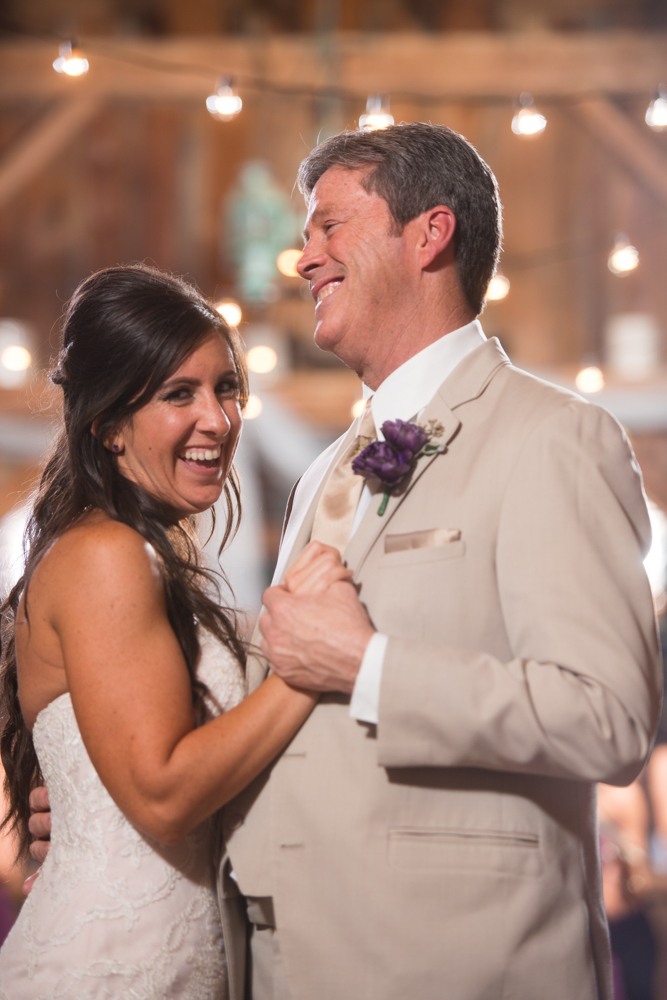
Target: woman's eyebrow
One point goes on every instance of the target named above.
(187, 380)
(182, 380)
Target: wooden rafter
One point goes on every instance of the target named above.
(631, 147)
(457, 66)
(28, 156)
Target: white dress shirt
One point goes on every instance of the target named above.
(402, 396)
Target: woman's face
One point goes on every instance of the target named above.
(180, 445)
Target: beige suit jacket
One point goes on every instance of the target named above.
(450, 853)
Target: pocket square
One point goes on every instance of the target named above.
(421, 539)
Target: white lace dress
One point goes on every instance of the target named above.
(114, 915)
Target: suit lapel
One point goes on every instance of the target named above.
(296, 535)
(466, 382)
(297, 530)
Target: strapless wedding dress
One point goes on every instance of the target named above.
(114, 915)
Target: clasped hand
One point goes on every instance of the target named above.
(315, 630)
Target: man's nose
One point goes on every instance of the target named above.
(310, 260)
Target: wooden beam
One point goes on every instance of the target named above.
(631, 147)
(30, 154)
(453, 65)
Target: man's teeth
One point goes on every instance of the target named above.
(328, 289)
(198, 455)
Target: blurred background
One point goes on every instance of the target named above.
(171, 132)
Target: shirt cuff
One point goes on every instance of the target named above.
(365, 702)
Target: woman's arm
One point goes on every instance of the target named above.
(131, 690)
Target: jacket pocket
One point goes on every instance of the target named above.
(433, 553)
(443, 849)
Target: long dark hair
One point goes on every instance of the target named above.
(126, 330)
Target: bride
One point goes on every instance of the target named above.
(122, 676)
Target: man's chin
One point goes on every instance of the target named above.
(326, 337)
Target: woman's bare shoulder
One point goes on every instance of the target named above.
(100, 553)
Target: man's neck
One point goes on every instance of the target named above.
(410, 336)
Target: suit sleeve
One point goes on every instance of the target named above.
(580, 696)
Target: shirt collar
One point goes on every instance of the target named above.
(408, 389)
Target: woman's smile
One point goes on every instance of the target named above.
(180, 446)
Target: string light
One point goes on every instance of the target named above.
(527, 119)
(358, 407)
(253, 408)
(262, 359)
(16, 358)
(70, 61)
(287, 261)
(623, 257)
(499, 287)
(377, 114)
(230, 311)
(224, 104)
(656, 112)
(590, 380)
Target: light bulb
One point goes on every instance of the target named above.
(498, 288)
(224, 104)
(358, 407)
(656, 113)
(70, 61)
(16, 358)
(623, 258)
(377, 114)
(262, 359)
(287, 261)
(253, 408)
(230, 311)
(590, 379)
(527, 119)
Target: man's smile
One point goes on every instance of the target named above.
(321, 291)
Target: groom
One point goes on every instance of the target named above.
(430, 833)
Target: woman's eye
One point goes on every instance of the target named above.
(227, 388)
(178, 395)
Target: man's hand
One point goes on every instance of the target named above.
(40, 823)
(40, 827)
(315, 629)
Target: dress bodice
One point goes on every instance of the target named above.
(114, 913)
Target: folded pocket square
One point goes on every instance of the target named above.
(421, 539)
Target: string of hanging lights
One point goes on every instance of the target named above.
(224, 104)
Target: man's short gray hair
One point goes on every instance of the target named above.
(415, 167)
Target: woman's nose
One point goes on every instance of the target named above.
(213, 418)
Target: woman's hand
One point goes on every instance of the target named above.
(318, 567)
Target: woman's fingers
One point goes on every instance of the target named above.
(312, 552)
(318, 576)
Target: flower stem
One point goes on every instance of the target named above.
(383, 505)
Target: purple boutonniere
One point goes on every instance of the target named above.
(393, 460)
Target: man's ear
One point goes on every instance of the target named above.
(436, 236)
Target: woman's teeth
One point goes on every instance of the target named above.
(330, 287)
(198, 455)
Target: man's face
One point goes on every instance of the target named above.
(360, 271)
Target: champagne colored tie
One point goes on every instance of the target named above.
(338, 504)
